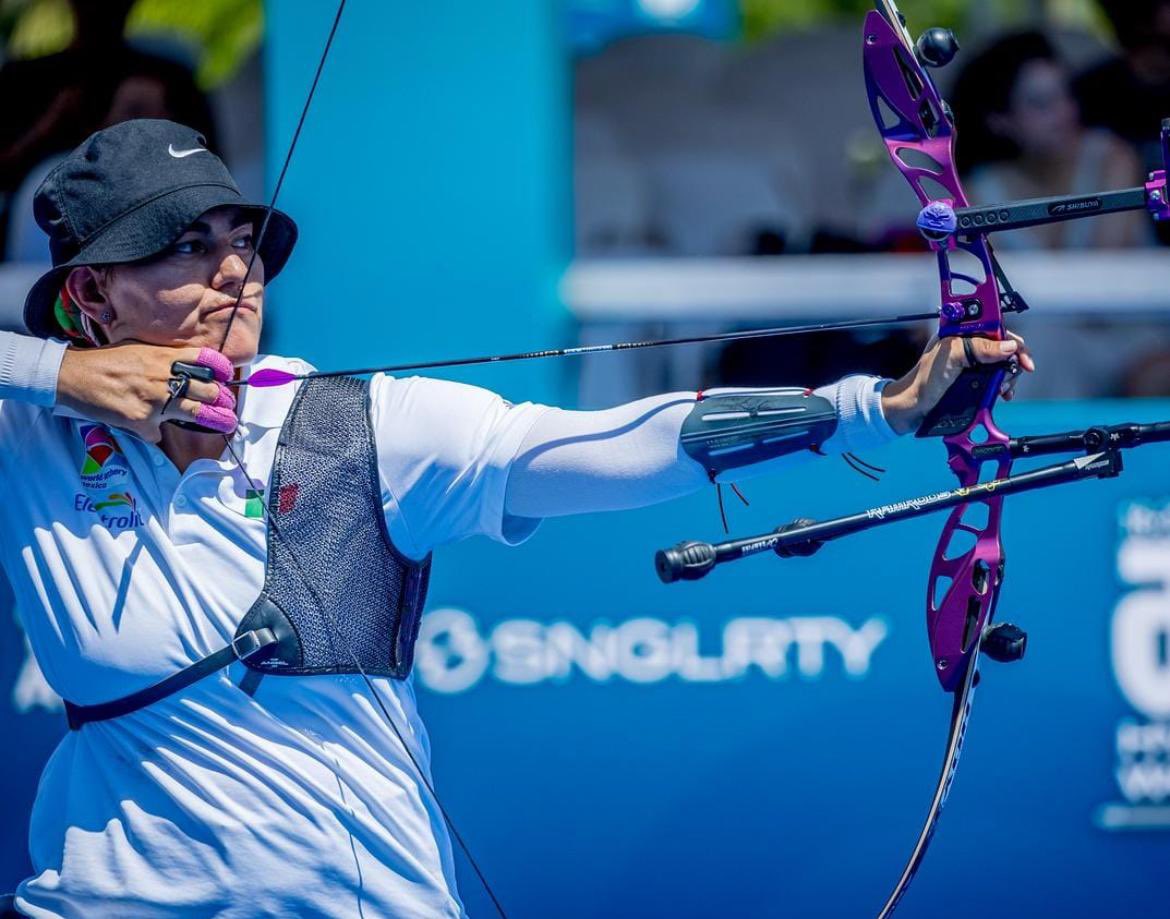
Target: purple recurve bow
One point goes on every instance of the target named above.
(967, 571)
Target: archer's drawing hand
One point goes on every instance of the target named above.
(906, 402)
(127, 385)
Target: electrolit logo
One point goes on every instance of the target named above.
(105, 473)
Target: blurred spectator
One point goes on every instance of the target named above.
(1130, 94)
(53, 103)
(666, 166)
(611, 196)
(1021, 136)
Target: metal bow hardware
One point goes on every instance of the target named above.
(967, 571)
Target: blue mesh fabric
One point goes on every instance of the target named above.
(326, 530)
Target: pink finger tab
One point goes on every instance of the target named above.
(219, 419)
(224, 398)
(220, 365)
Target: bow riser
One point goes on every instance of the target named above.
(963, 588)
(915, 125)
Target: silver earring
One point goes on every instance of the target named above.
(107, 317)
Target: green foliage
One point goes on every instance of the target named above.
(224, 32)
(37, 27)
(763, 17)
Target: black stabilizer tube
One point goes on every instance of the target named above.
(1102, 437)
(689, 561)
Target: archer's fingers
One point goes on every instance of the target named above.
(1023, 355)
(988, 350)
(220, 365)
(208, 393)
(219, 419)
(219, 415)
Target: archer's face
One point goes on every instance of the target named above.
(184, 295)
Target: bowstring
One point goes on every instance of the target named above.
(270, 520)
(283, 172)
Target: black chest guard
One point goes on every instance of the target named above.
(337, 593)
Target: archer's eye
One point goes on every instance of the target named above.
(243, 242)
(189, 247)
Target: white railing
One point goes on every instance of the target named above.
(618, 300)
(1101, 284)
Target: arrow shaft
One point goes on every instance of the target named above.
(580, 350)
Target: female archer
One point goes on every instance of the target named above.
(231, 616)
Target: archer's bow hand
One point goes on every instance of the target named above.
(907, 401)
(131, 386)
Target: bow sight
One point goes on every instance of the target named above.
(940, 222)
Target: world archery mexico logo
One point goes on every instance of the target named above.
(105, 473)
(105, 464)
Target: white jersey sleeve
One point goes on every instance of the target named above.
(630, 456)
(444, 454)
(29, 367)
(458, 461)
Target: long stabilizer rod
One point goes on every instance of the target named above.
(689, 561)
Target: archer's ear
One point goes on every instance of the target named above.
(87, 289)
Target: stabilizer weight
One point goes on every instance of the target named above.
(798, 549)
(936, 47)
(688, 561)
(1005, 643)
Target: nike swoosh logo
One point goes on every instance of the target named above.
(179, 154)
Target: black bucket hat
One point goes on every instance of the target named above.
(127, 193)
